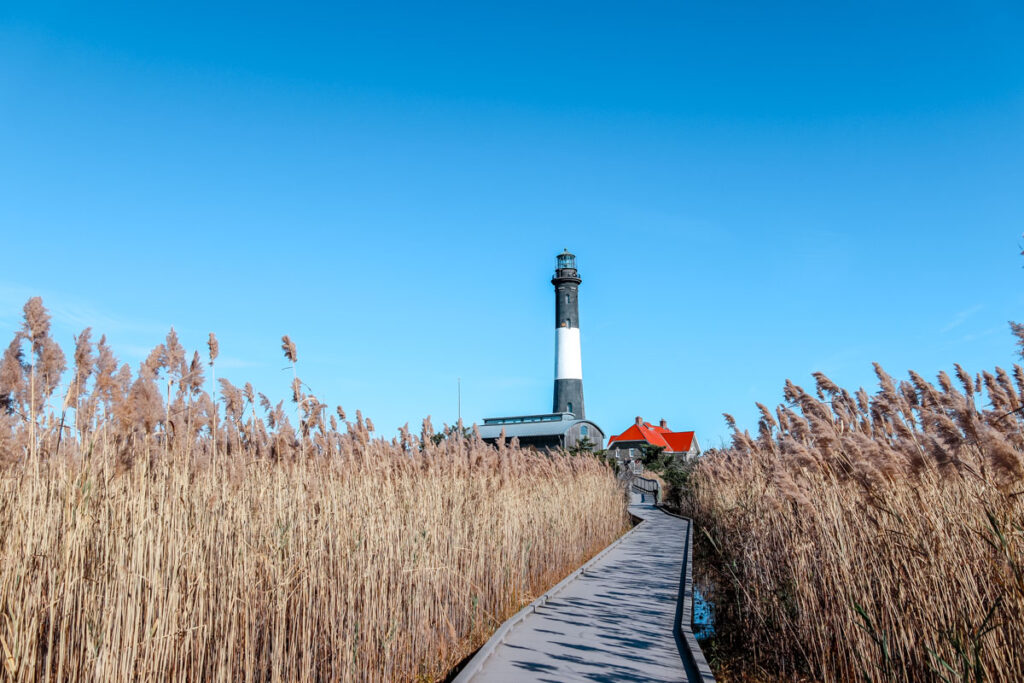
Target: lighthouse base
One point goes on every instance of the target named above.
(569, 397)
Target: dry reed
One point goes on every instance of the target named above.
(878, 537)
(175, 537)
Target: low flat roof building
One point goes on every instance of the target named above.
(546, 431)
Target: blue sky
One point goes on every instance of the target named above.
(755, 191)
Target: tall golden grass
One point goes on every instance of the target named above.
(146, 536)
(879, 537)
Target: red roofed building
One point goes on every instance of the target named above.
(630, 443)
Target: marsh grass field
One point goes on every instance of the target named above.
(870, 537)
(152, 528)
(155, 530)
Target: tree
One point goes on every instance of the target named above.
(650, 455)
(450, 432)
(583, 446)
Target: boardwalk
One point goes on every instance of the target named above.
(612, 622)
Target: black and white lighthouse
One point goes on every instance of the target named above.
(568, 361)
(566, 426)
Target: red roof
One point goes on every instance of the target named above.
(674, 442)
(679, 442)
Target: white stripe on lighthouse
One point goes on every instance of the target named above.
(568, 364)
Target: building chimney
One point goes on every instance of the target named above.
(663, 423)
(568, 363)
(639, 420)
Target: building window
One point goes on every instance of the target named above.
(570, 407)
(566, 298)
(583, 430)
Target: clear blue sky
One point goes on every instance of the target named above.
(755, 191)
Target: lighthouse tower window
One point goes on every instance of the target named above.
(566, 298)
(569, 408)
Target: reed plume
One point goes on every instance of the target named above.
(288, 346)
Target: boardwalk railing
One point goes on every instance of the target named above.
(644, 485)
(696, 664)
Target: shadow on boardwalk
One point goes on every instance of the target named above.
(613, 622)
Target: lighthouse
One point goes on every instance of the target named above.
(566, 426)
(568, 361)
